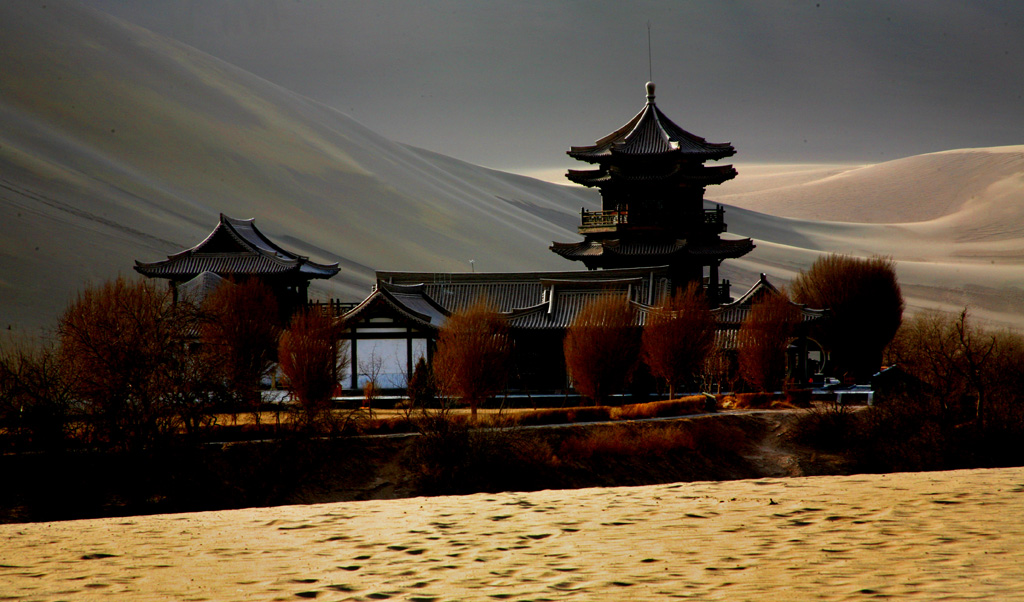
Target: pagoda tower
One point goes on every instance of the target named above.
(652, 177)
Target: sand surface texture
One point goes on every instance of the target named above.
(929, 536)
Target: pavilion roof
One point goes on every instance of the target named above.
(236, 247)
(651, 132)
(734, 313)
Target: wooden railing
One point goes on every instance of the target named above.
(603, 219)
(332, 307)
(614, 218)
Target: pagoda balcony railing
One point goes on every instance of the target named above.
(591, 221)
(615, 219)
(714, 219)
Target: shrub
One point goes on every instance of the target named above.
(678, 338)
(693, 404)
(602, 346)
(800, 398)
(36, 397)
(242, 328)
(471, 360)
(763, 339)
(451, 457)
(310, 357)
(866, 305)
(624, 441)
(420, 389)
(126, 342)
(563, 415)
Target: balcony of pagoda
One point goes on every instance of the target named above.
(603, 221)
(711, 221)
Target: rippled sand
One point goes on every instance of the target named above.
(930, 536)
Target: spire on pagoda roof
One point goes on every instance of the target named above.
(650, 132)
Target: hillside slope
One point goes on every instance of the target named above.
(117, 144)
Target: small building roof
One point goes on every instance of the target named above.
(649, 133)
(529, 300)
(236, 247)
(734, 313)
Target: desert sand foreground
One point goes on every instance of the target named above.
(926, 536)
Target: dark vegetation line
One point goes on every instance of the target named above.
(109, 418)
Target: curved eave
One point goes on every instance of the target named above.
(187, 266)
(650, 134)
(724, 249)
(383, 298)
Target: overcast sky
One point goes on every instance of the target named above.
(513, 84)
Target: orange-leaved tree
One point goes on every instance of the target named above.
(472, 356)
(762, 341)
(243, 330)
(124, 342)
(309, 355)
(602, 347)
(866, 305)
(678, 337)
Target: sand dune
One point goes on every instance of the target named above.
(926, 536)
(953, 221)
(119, 144)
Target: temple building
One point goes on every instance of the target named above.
(237, 250)
(652, 175)
(652, 236)
(398, 322)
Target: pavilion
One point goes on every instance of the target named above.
(237, 250)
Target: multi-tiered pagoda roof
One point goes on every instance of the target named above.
(652, 174)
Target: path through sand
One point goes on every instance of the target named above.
(928, 536)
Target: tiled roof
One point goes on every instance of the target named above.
(598, 248)
(650, 132)
(560, 297)
(694, 174)
(235, 247)
(200, 287)
(734, 313)
(529, 300)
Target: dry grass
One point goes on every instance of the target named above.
(757, 401)
(693, 404)
(626, 442)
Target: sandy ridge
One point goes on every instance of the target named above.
(923, 536)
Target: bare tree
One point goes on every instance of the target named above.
(471, 361)
(602, 347)
(121, 340)
(960, 362)
(866, 307)
(678, 337)
(310, 357)
(763, 339)
(420, 388)
(243, 331)
(371, 368)
(36, 396)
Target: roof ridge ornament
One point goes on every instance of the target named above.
(650, 93)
